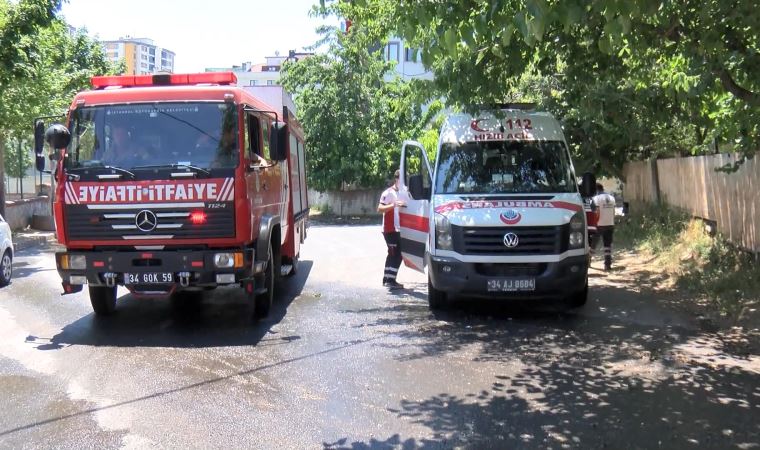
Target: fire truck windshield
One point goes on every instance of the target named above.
(504, 167)
(142, 136)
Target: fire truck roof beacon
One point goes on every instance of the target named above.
(176, 79)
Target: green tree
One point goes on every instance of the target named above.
(631, 79)
(354, 120)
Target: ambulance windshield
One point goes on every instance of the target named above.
(152, 135)
(495, 167)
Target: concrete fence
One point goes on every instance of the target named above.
(20, 213)
(346, 203)
(731, 200)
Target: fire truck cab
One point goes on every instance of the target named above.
(178, 182)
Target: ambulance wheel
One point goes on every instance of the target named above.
(437, 299)
(578, 299)
(103, 300)
(263, 302)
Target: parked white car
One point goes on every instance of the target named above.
(6, 250)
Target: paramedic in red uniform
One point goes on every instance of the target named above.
(605, 226)
(389, 204)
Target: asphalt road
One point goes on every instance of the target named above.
(343, 363)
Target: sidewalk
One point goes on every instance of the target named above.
(31, 238)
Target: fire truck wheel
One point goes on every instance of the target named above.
(103, 299)
(436, 299)
(578, 299)
(6, 268)
(263, 302)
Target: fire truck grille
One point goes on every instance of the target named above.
(550, 240)
(169, 223)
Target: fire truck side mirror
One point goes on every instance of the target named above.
(57, 137)
(39, 137)
(588, 185)
(278, 140)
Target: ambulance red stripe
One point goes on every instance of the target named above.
(418, 223)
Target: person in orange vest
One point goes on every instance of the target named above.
(390, 201)
(605, 223)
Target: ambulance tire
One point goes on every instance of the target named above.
(263, 302)
(103, 300)
(579, 298)
(437, 299)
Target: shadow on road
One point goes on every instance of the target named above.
(216, 318)
(616, 374)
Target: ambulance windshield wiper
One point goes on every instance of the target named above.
(118, 170)
(195, 169)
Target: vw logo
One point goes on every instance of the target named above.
(146, 221)
(511, 240)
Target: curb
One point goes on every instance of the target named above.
(25, 242)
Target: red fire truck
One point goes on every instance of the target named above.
(178, 182)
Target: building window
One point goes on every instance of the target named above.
(270, 82)
(253, 82)
(391, 51)
(411, 54)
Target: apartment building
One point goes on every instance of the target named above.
(141, 55)
(266, 73)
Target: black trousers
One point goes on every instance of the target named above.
(606, 235)
(393, 260)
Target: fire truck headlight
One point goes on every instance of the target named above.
(73, 262)
(443, 240)
(228, 260)
(223, 260)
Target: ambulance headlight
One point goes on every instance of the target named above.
(576, 239)
(443, 240)
(578, 230)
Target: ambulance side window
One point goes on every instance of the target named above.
(265, 140)
(416, 171)
(252, 137)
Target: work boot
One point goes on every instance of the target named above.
(393, 284)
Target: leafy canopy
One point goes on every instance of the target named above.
(631, 79)
(354, 119)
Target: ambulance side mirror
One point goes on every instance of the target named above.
(588, 185)
(278, 140)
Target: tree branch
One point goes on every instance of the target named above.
(751, 98)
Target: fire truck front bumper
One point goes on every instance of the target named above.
(155, 272)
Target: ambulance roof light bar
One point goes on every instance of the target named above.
(169, 79)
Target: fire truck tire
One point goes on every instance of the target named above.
(263, 302)
(578, 299)
(437, 299)
(103, 299)
(6, 268)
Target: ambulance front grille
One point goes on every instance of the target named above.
(173, 223)
(551, 240)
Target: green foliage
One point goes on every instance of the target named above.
(706, 265)
(354, 120)
(630, 79)
(51, 65)
(18, 160)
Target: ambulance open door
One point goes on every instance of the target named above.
(415, 187)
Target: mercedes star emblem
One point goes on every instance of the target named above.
(146, 221)
(511, 240)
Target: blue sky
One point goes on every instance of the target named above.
(202, 33)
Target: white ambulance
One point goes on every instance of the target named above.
(499, 213)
